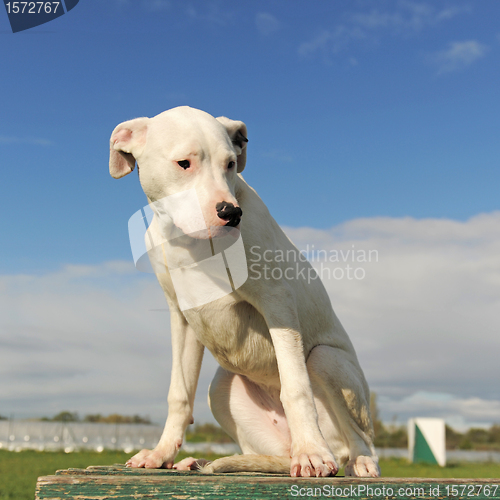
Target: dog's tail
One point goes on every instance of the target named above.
(248, 463)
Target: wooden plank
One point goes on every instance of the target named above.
(119, 469)
(120, 483)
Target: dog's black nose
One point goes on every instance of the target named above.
(227, 211)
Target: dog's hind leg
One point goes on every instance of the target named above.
(254, 417)
(251, 415)
(342, 400)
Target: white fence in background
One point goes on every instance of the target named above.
(18, 435)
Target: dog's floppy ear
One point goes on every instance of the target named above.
(238, 133)
(126, 144)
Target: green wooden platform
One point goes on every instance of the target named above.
(119, 483)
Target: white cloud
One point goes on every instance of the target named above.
(266, 23)
(210, 12)
(333, 41)
(425, 316)
(87, 339)
(453, 11)
(319, 42)
(459, 413)
(376, 19)
(406, 15)
(399, 18)
(458, 56)
(424, 321)
(157, 5)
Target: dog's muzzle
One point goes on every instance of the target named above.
(228, 212)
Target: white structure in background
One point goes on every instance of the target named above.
(18, 435)
(427, 441)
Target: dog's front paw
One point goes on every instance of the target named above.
(151, 459)
(362, 466)
(313, 464)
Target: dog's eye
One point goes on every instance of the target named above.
(184, 164)
(230, 165)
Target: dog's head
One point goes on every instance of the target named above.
(184, 150)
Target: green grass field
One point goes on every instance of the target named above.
(19, 471)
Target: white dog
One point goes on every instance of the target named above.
(289, 389)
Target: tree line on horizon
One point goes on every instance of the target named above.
(115, 418)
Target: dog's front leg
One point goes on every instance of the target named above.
(310, 453)
(187, 354)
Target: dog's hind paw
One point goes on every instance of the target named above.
(362, 466)
(191, 463)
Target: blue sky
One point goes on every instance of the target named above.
(385, 112)
(354, 108)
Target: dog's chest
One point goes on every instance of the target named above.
(237, 336)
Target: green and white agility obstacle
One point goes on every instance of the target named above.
(427, 441)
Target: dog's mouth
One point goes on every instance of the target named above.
(188, 236)
(199, 246)
(180, 216)
(216, 231)
(213, 232)
(177, 230)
